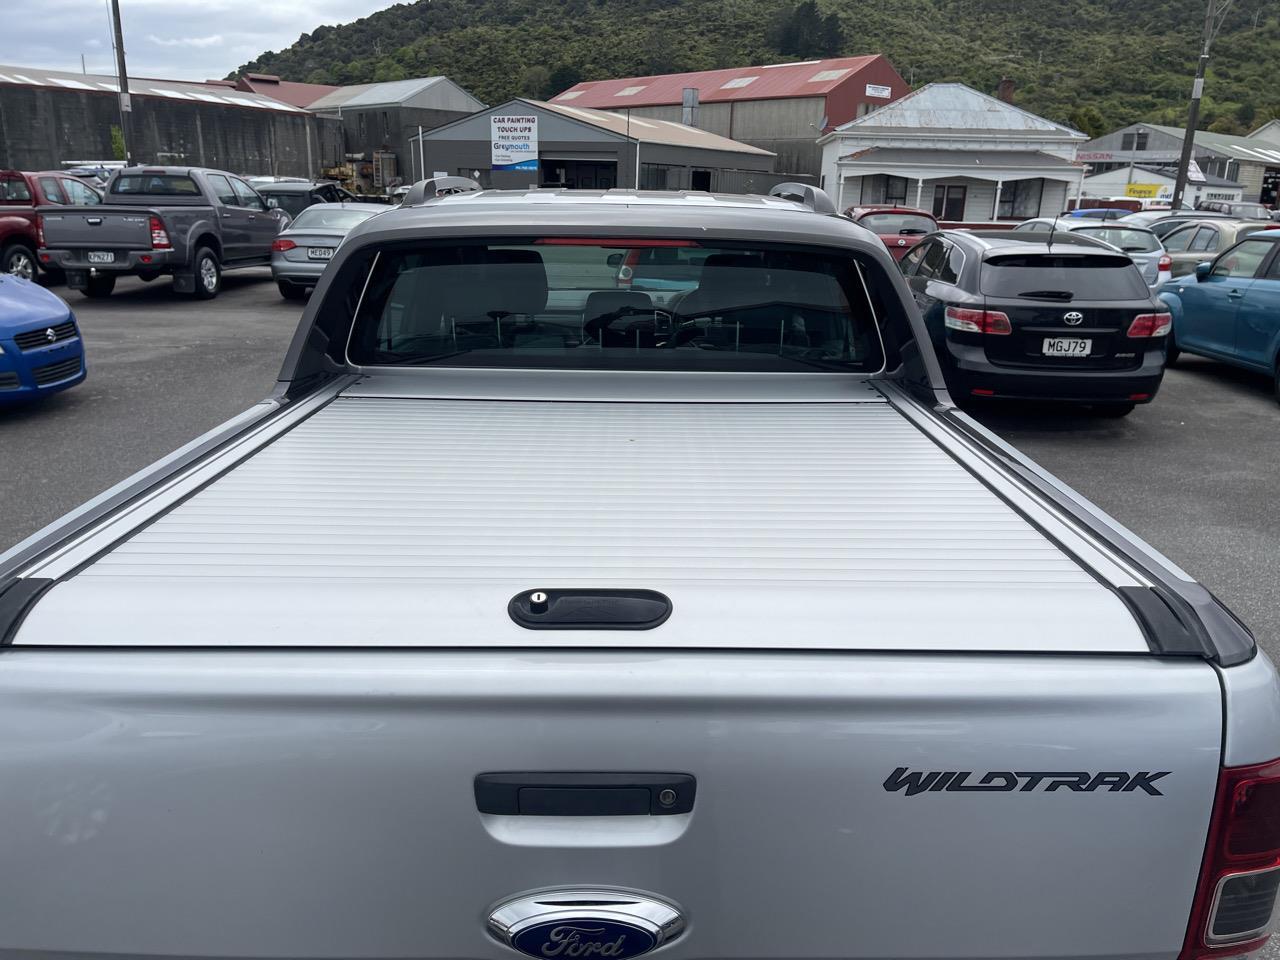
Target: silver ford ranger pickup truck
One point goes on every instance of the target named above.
(536, 613)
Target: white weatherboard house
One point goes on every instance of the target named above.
(962, 154)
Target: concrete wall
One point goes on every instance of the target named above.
(41, 127)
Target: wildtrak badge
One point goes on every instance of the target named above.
(1002, 781)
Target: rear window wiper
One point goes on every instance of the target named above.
(1047, 294)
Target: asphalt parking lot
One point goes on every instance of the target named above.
(1196, 473)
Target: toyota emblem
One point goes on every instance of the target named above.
(51, 334)
(1073, 318)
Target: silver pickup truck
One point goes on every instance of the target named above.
(711, 629)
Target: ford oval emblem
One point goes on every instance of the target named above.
(580, 924)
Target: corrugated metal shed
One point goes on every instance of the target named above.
(221, 94)
(808, 78)
(1241, 148)
(953, 106)
(651, 131)
(439, 93)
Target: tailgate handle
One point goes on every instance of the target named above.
(588, 609)
(584, 794)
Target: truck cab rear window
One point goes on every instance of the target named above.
(642, 304)
(1063, 277)
(156, 185)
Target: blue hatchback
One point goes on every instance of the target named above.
(40, 347)
(1230, 309)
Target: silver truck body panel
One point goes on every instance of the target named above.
(1251, 697)
(412, 522)
(319, 804)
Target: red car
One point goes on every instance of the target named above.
(20, 195)
(899, 228)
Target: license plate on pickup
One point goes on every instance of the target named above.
(319, 253)
(1066, 347)
(101, 256)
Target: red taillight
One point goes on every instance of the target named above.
(977, 321)
(1151, 325)
(982, 392)
(159, 235)
(280, 246)
(40, 230)
(1164, 263)
(1240, 875)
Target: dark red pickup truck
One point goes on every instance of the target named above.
(20, 195)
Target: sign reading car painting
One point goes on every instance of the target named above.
(514, 142)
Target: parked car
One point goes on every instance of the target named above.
(717, 632)
(1230, 308)
(21, 195)
(900, 228)
(1012, 315)
(300, 253)
(1163, 222)
(293, 197)
(1142, 246)
(189, 222)
(1241, 210)
(40, 347)
(1201, 240)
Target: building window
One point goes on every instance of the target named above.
(883, 188)
(1233, 170)
(948, 201)
(1020, 199)
(386, 126)
(362, 130)
(864, 109)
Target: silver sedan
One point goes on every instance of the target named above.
(1143, 247)
(300, 253)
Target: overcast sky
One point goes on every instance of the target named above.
(177, 39)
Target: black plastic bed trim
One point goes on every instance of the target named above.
(17, 597)
(1177, 617)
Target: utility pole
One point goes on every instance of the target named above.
(126, 104)
(1215, 12)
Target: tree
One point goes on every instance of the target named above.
(1088, 119)
(564, 76)
(117, 143)
(535, 82)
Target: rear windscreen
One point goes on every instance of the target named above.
(903, 223)
(1124, 238)
(642, 304)
(155, 184)
(334, 218)
(1063, 277)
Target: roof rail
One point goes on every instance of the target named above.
(814, 198)
(425, 190)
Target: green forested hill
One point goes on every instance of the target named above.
(1096, 64)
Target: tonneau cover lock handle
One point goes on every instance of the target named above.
(589, 609)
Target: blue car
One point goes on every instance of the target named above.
(40, 347)
(1230, 309)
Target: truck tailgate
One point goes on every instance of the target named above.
(412, 522)
(98, 227)
(291, 804)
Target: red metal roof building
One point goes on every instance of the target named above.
(781, 107)
(286, 91)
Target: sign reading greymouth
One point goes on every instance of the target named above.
(514, 142)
